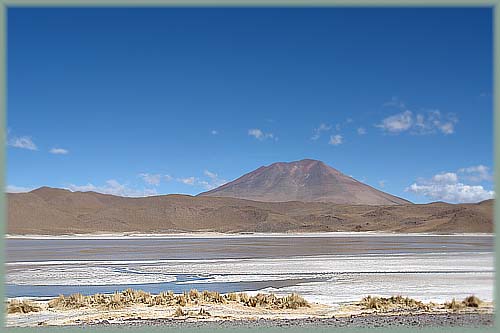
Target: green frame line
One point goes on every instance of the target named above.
(4, 6)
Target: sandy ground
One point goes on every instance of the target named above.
(235, 314)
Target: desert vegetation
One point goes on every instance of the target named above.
(193, 297)
(24, 306)
(129, 297)
(469, 302)
(395, 303)
(392, 303)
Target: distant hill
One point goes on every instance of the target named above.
(306, 180)
(57, 211)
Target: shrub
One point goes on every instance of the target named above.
(115, 301)
(24, 306)
(469, 302)
(453, 305)
(233, 297)
(472, 301)
(294, 301)
(179, 312)
(392, 303)
(203, 313)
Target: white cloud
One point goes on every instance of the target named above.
(476, 173)
(151, 179)
(167, 178)
(448, 186)
(397, 123)
(17, 189)
(381, 183)
(113, 187)
(259, 135)
(59, 151)
(317, 131)
(23, 142)
(430, 122)
(457, 193)
(214, 132)
(433, 121)
(445, 178)
(187, 180)
(213, 180)
(335, 140)
(361, 131)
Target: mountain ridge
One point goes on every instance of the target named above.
(52, 211)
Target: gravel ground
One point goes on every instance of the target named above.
(416, 320)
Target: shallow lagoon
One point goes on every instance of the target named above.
(329, 269)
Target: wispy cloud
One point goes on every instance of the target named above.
(214, 132)
(115, 188)
(361, 131)
(422, 123)
(381, 183)
(151, 179)
(17, 189)
(23, 142)
(210, 180)
(260, 135)
(450, 187)
(187, 180)
(59, 151)
(336, 140)
(321, 128)
(397, 123)
(476, 174)
(213, 180)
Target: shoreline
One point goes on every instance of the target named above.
(216, 235)
(196, 309)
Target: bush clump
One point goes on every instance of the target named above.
(392, 303)
(469, 302)
(179, 312)
(24, 306)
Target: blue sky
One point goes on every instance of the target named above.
(179, 100)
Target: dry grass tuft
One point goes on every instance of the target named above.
(24, 306)
(73, 301)
(454, 305)
(472, 302)
(203, 313)
(130, 296)
(212, 297)
(232, 297)
(294, 301)
(469, 302)
(179, 312)
(392, 303)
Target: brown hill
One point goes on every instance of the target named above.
(306, 180)
(57, 211)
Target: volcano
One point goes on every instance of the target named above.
(305, 180)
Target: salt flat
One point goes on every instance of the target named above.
(329, 269)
